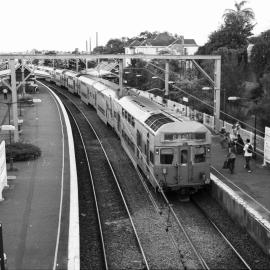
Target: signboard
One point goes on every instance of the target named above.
(3, 168)
(267, 145)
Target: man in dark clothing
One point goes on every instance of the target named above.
(239, 144)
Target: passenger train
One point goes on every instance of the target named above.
(173, 152)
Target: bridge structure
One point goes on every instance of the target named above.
(215, 82)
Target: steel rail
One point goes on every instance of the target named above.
(94, 192)
(222, 235)
(116, 181)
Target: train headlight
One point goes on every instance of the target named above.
(164, 171)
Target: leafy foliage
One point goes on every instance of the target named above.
(260, 54)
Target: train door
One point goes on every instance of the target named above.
(184, 165)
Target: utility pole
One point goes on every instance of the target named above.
(23, 84)
(14, 99)
(90, 49)
(120, 78)
(217, 80)
(96, 39)
(166, 78)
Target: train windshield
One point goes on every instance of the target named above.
(199, 154)
(166, 156)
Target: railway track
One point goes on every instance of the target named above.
(119, 241)
(204, 259)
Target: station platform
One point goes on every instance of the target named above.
(35, 212)
(256, 183)
(244, 195)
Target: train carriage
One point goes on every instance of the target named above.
(86, 90)
(175, 153)
(171, 151)
(70, 81)
(59, 77)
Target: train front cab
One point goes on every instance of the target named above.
(185, 167)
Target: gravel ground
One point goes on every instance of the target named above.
(240, 239)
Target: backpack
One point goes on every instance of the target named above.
(250, 149)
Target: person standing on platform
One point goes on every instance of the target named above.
(231, 159)
(248, 149)
(5, 93)
(239, 145)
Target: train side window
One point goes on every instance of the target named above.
(132, 121)
(139, 139)
(166, 156)
(151, 157)
(126, 114)
(184, 156)
(129, 118)
(123, 112)
(199, 154)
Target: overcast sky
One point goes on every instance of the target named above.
(64, 25)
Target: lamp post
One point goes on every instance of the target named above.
(255, 120)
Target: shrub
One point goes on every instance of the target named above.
(22, 151)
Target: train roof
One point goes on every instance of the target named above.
(156, 117)
(70, 73)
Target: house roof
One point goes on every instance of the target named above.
(162, 40)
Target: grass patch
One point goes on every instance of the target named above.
(22, 151)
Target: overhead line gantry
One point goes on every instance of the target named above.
(120, 57)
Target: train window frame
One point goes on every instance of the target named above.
(199, 157)
(166, 158)
(129, 118)
(139, 139)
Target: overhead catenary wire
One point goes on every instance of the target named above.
(198, 99)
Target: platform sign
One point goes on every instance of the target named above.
(267, 145)
(3, 168)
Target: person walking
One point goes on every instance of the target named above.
(231, 159)
(248, 149)
(5, 93)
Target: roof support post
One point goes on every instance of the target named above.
(14, 99)
(23, 82)
(120, 78)
(217, 81)
(167, 78)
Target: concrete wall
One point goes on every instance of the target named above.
(250, 216)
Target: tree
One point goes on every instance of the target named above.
(115, 46)
(239, 15)
(260, 54)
